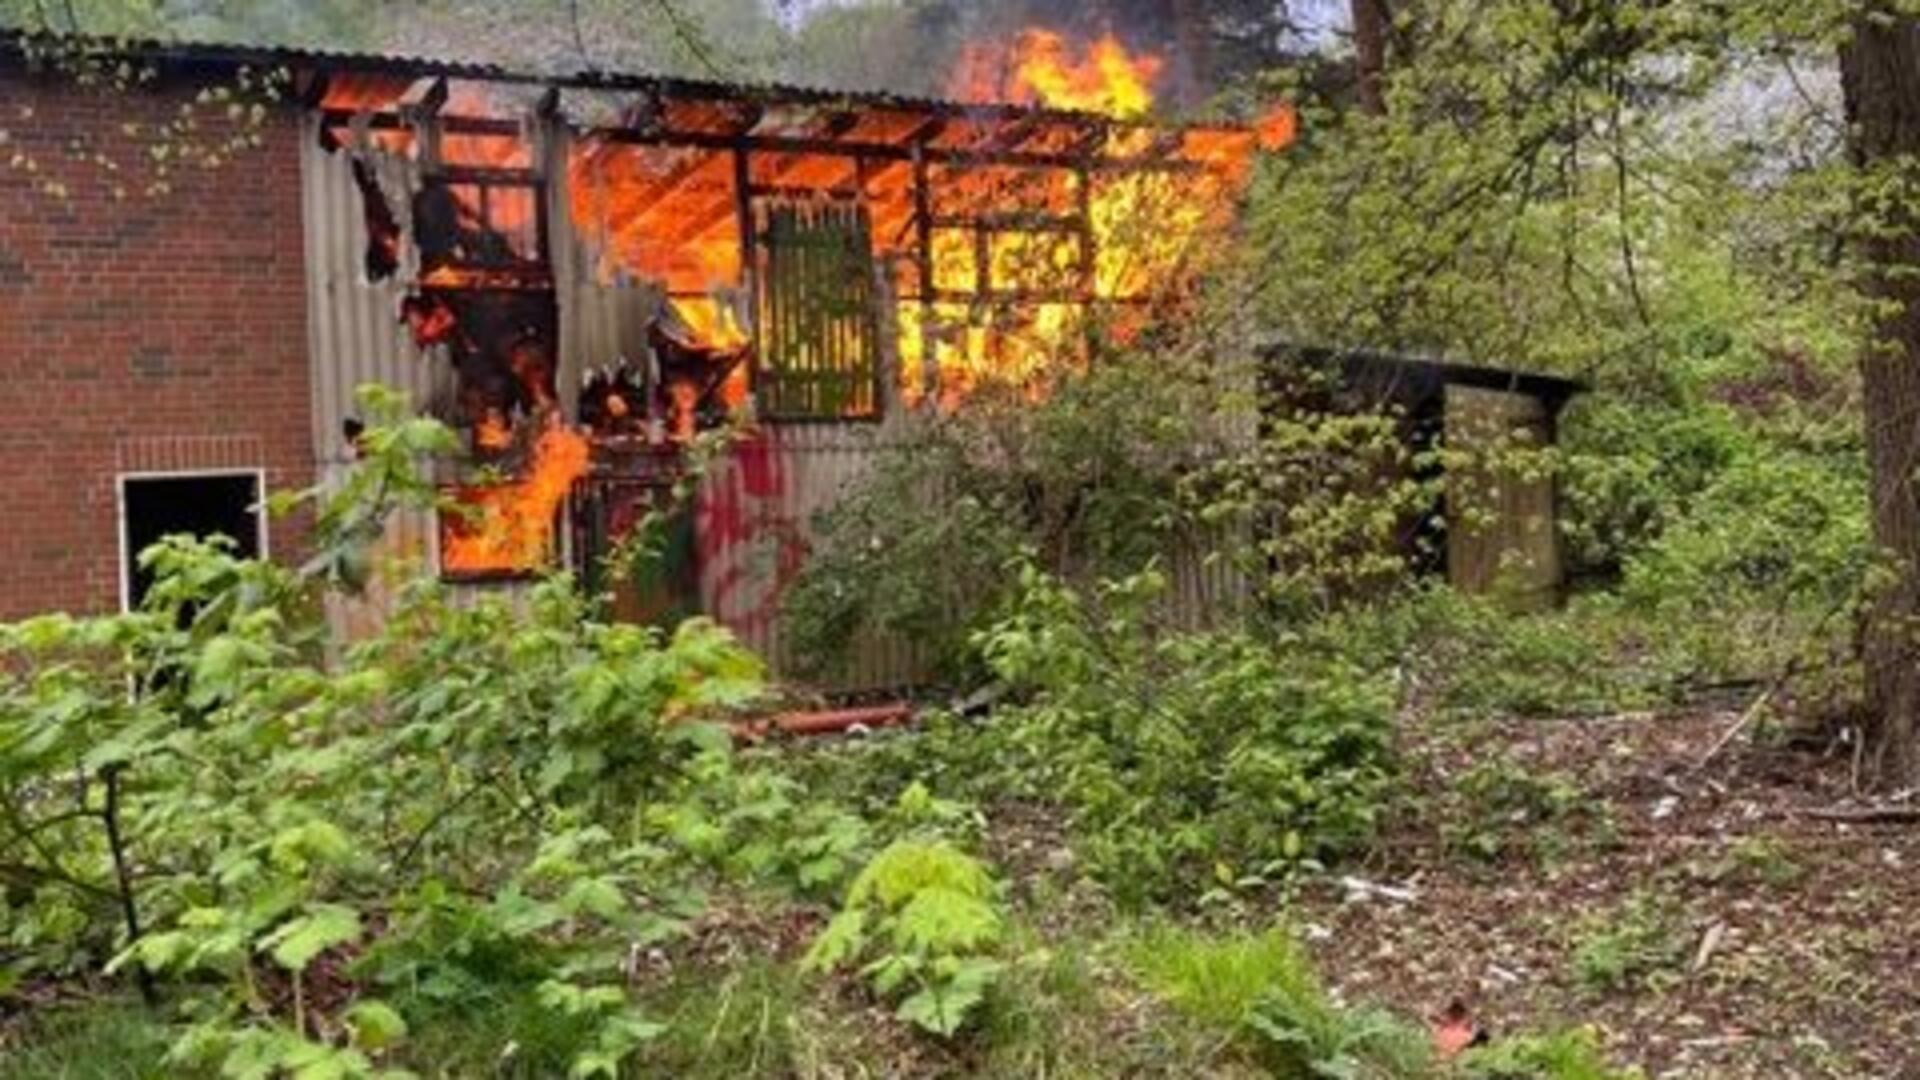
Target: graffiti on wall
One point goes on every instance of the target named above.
(751, 541)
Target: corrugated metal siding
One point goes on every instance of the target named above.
(754, 518)
(754, 515)
(354, 335)
(603, 317)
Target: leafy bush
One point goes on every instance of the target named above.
(1467, 654)
(1088, 480)
(757, 824)
(1617, 504)
(1306, 1036)
(1769, 560)
(1182, 760)
(922, 916)
(311, 850)
(1321, 509)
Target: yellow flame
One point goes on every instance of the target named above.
(508, 527)
(1108, 80)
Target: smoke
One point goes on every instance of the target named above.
(1208, 47)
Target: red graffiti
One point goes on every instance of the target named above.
(753, 547)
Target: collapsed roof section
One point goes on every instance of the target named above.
(999, 231)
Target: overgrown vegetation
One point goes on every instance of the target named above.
(1209, 672)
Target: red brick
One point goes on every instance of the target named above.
(151, 317)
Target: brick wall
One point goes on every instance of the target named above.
(145, 333)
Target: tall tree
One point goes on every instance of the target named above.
(1372, 25)
(1880, 77)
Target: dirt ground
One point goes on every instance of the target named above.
(1710, 921)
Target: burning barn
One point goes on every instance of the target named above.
(579, 274)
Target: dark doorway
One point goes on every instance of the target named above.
(225, 504)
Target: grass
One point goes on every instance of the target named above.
(106, 1041)
(1219, 980)
(1262, 991)
(1164, 1001)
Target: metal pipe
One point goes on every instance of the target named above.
(829, 722)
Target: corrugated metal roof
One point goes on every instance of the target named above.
(215, 54)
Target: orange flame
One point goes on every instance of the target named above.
(1151, 229)
(1277, 128)
(492, 432)
(508, 527)
(1040, 69)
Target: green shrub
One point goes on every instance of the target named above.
(1468, 654)
(1183, 761)
(922, 917)
(1501, 805)
(1618, 503)
(1765, 563)
(1088, 479)
(1220, 980)
(311, 851)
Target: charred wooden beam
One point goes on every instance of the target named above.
(787, 144)
(1011, 135)
(452, 125)
(489, 174)
(1089, 237)
(425, 98)
(802, 191)
(310, 87)
(892, 152)
(714, 215)
(749, 270)
(1093, 143)
(1016, 221)
(1025, 296)
(925, 132)
(929, 374)
(420, 107)
(747, 116)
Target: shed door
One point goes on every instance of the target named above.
(1501, 531)
(818, 342)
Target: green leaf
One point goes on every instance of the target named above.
(943, 1007)
(594, 896)
(374, 1025)
(311, 842)
(940, 919)
(324, 926)
(154, 952)
(840, 942)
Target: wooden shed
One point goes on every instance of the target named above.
(1510, 544)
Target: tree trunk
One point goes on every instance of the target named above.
(1372, 27)
(1880, 74)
